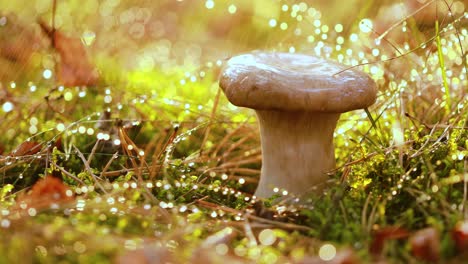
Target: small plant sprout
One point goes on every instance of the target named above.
(298, 100)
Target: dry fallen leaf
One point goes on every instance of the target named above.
(74, 67)
(460, 235)
(26, 148)
(383, 234)
(47, 192)
(425, 244)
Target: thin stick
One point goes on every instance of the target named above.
(224, 140)
(67, 173)
(237, 144)
(90, 156)
(249, 233)
(254, 152)
(236, 170)
(364, 213)
(125, 144)
(371, 219)
(462, 52)
(247, 179)
(119, 172)
(136, 150)
(237, 163)
(163, 149)
(109, 163)
(88, 169)
(424, 44)
(282, 225)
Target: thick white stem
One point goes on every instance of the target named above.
(297, 150)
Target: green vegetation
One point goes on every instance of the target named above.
(155, 165)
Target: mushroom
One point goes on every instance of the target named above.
(298, 100)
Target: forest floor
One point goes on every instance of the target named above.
(118, 146)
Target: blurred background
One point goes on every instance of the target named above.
(169, 35)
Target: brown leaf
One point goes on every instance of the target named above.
(425, 244)
(384, 234)
(26, 148)
(58, 144)
(50, 186)
(74, 67)
(460, 235)
(45, 192)
(32, 147)
(346, 256)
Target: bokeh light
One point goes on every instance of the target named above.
(327, 252)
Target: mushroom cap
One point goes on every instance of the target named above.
(295, 82)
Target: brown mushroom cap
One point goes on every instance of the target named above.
(295, 82)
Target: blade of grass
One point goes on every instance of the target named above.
(374, 126)
(448, 106)
(369, 115)
(155, 169)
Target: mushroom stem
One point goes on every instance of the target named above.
(297, 150)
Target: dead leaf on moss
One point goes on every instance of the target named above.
(381, 235)
(74, 67)
(26, 148)
(425, 244)
(47, 192)
(460, 235)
